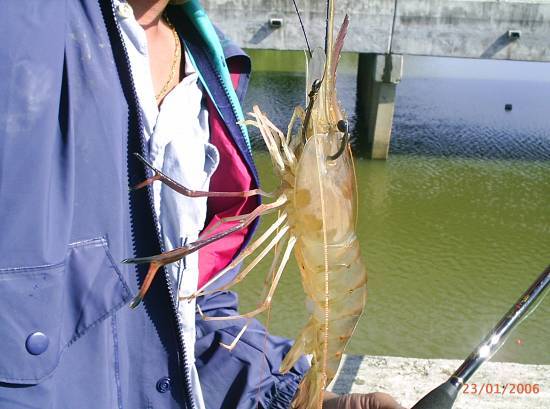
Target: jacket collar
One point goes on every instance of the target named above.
(209, 56)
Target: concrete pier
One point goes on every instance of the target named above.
(409, 379)
(377, 79)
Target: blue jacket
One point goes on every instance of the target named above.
(69, 123)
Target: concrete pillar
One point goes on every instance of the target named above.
(377, 79)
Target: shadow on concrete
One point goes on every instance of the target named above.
(500, 43)
(263, 32)
(348, 372)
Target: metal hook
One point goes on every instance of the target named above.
(342, 126)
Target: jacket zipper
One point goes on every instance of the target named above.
(188, 396)
(248, 150)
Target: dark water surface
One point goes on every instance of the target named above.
(454, 226)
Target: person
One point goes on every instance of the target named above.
(85, 85)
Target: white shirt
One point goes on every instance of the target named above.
(178, 139)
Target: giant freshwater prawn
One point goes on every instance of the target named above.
(316, 217)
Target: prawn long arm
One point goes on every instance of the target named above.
(178, 187)
(239, 218)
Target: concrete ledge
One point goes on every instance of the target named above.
(408, 379)
(453, 28)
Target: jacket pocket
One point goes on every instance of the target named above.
(43, 309)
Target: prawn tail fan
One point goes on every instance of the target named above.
(299, 349)
(310, 392)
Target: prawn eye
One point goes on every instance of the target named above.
(342, 126)
(316, 85)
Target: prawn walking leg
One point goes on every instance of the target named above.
(298, 113)
(244, 272)
(267, 300)
(238, 337)
(248, 251)
(160, 260)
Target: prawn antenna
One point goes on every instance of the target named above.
(303, 28)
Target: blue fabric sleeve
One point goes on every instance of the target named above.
(35, 177)
(248, 376)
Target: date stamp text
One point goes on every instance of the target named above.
(501, 388)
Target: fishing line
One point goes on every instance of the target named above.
(390, 42)
(303, 28)
(326, 27)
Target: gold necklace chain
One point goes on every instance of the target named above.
(175, 60)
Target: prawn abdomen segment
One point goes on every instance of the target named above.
(346, 271)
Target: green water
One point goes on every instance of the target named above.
(450, 244)
(294, 61)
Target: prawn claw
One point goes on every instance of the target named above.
(136, 301)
